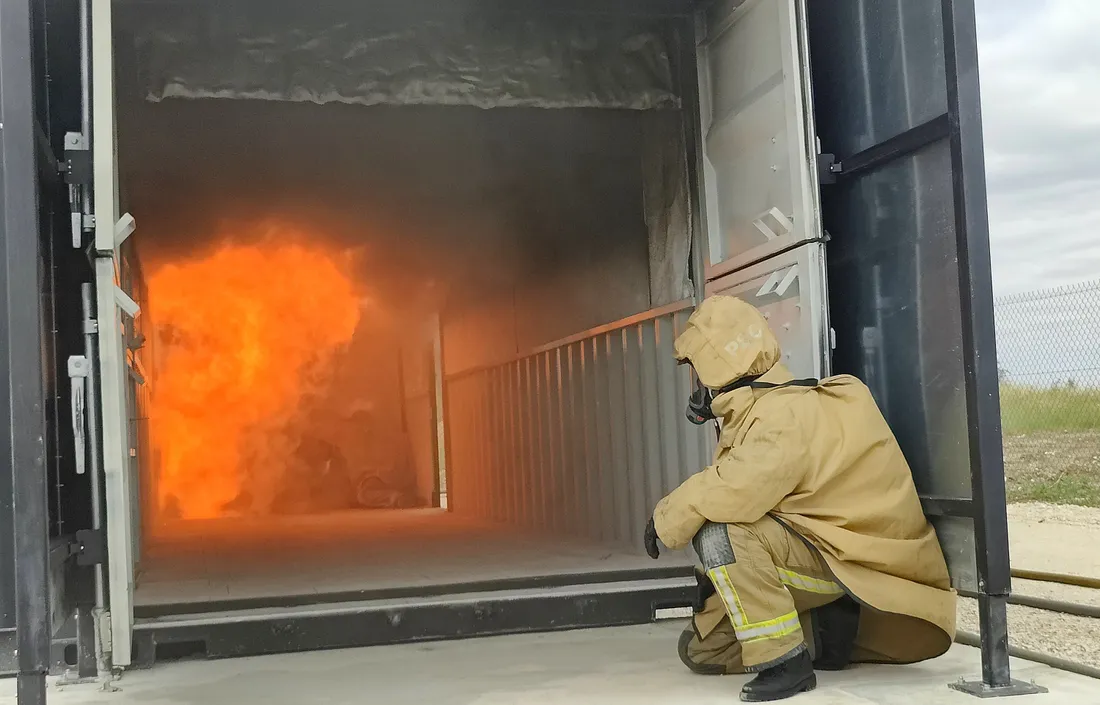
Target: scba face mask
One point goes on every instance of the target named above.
(699, 409)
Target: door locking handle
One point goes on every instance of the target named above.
(78, 378)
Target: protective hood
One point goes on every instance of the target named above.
(725, 340)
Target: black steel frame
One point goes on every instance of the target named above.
(979, 342)
(20, 319)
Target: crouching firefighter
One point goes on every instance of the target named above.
(815, 549)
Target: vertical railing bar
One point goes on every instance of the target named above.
(530, 431)
(514, 468)
(639, 467)
(670, 425)
(621, 465)
(580, 431)
(591, 439)
(541, 484)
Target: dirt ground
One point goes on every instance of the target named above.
(1058, 467)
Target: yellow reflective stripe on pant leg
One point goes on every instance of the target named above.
(808, 583)
(722, 583)
(797, 628)
(770, 629)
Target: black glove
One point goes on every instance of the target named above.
(651, 540)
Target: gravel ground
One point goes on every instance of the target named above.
(1066, 514)
(1067, 636)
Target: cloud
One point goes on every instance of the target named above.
(1040, 66)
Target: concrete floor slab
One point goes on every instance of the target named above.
(627, 666)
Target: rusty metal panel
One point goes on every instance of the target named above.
(580, 437)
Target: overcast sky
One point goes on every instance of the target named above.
(1040, 73)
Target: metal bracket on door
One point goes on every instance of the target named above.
(779, 282)
(76, 169)
(906, 143)
(828, 168)
(89, 547)
(786, 225)
(124, 228)
(127, 304)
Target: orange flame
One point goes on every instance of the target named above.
(243, 335)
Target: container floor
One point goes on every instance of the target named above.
(198, 564)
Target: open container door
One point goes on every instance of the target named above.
(764, 237)
(113, 304)
(896, 85)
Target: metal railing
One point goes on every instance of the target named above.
(580, 437)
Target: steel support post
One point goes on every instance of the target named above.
(979, 351)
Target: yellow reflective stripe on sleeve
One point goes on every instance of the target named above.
(769, 629)
(808, 583)
(722, 583)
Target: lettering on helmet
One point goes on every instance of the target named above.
(744, 339)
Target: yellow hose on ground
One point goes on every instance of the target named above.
(1060, 578)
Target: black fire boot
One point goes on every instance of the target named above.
(835, 627)
(793, 676)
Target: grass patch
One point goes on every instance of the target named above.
(1059, 467)
(1076, 489)
(1067, 408)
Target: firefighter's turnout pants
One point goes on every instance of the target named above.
(766, 580)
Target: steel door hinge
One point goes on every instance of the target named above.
(76, 167)
(89, 547)
(828, 168)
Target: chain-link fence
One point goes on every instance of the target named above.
(1049, 357)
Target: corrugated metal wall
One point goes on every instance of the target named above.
(581, 437)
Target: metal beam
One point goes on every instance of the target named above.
(904, 144)
(947, 507)
(441, 592)
(979, 347)
(21, 337)
(112, 366)
(402, 621)
(420, 8)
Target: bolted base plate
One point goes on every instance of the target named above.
(980, 690)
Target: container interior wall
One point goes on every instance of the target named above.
(337, 236)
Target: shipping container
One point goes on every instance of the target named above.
(351, 323)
